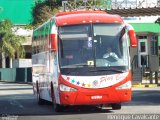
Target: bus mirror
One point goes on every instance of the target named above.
(132, 36)
(133, 39)
(53, 41)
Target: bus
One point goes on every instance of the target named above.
(68, 63)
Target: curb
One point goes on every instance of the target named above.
(144, 85)
(6, 81)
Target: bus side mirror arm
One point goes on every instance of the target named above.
(132, 36)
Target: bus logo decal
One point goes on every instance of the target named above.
(83, 84)
(78, 83)
(99, 82)
(73, 81)
(67, 78)
(95, 83)
(89, 85)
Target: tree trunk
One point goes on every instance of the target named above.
(3, 60)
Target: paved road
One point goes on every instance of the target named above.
(17, 102)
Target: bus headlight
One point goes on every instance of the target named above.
(126, 85)
(65, 88)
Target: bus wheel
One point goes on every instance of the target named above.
(52, 95)
(116, 106)
(40, 100)
(58, 108)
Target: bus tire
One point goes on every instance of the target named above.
(40, 100)
(58, 108)
(52, 94)
(116, 106)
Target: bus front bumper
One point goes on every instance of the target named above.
(91, 97)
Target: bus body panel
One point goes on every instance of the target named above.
(96, 81)
(41, 72)
(45, 64)
(105, 95)
(54, 73)
(79, 12)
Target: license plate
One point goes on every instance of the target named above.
(96, 97)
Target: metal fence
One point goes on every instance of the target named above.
(121, 4)
(108, 4)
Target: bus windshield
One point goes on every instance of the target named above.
(99, 46)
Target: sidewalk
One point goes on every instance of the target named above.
(145, 83)
(142, 85)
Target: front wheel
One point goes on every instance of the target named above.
(58, 108)
(116, 106)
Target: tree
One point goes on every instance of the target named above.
(45, 9)
(42, 11)
(10, 44)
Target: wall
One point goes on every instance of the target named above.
(16, 74)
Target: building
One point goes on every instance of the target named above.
(148, 51)
(19, 13)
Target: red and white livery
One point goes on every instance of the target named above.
(68, 64)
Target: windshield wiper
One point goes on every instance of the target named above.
(74, 66)
(112, 70)
(80, 65)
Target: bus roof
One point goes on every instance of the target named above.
(78, 12)
(82, 17)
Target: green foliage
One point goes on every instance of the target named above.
(44, 10)
(30, 27)
(5, 26)
(9, 42)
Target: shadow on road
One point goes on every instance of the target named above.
(144, 98)
(18, 99)
(26, 105)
